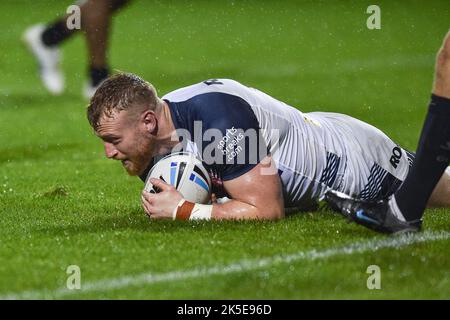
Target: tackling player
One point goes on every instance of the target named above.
(260, 152)
(403, 211)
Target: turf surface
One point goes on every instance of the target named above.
(62, 203)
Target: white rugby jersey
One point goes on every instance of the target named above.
(312, 151)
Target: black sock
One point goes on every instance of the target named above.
(432, 158)
(97, 75)
(117, 4)
(56, 33)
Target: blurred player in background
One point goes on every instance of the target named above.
(44, 42)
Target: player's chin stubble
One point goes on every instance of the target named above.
(136, 165)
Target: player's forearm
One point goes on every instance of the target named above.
(230, 210)
(234, 209)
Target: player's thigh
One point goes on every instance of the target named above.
(376, 165)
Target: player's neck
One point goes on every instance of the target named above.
(166, 132)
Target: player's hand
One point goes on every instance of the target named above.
(161, 205)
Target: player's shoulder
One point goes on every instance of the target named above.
(215, 102)
(225, 86)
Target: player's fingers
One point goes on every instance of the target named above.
(145, 210)
(149, 197)
(144, 200)
(145, 206)
(161, 184)
(148, 205)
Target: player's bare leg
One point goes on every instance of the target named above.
(441, 86)
(441, 193)
(404, 210)
(45, 40)
(96, 24)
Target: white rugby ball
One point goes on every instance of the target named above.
(186, 173)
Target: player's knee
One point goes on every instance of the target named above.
(447, 188)
(441, 194)
(446, 44)
(442, 59)
(445, 199)
(443, 56)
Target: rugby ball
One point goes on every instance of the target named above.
(186, 173)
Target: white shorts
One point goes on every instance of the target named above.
(372, 166)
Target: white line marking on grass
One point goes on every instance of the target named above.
(239, 266)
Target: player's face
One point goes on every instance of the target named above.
(127, 141)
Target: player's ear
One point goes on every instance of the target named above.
(149, 121)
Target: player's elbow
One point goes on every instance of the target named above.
(274, 213)
(277, 214)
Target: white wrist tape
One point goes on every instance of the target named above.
(174, 213)
(193, 211)
(201, 212)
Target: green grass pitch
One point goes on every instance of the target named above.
(63, 203)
